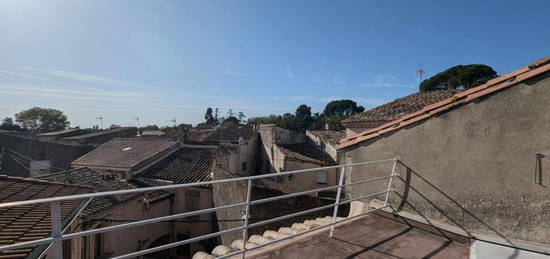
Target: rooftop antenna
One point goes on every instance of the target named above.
(420, 72)
(174, 121)
(100, 118)
(137, 119)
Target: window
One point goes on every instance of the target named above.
(244, 166)
(322, 177)
(192, 199)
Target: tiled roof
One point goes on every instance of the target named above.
(124, 152)
(31, 222)
(306, 153)
(101, 183)
(331, 136)
(99, 133)
(502, 82)
(396, 109)
(187, 165)
(59, 132)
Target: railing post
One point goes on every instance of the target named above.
(57, 245)
(247, 216)
(338, 194)
(392, 175)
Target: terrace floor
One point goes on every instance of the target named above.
(372, 236)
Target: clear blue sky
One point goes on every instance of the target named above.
(171, 59)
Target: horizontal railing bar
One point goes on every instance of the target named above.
(370, 180)
(366, 196)
(178, 243)
(291, 215)
(149, 221)
(32, 243)
(117, 227)
(280, 197)
(313, 210)
(300, 233)
(174, 186)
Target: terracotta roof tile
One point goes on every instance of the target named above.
(189, 164)
(493, 85)
(306, 153)
(31, 222)
(396, 109)
(124, 152)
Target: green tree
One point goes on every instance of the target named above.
(42, 120)
(461, 76)
(241, 117)
(339, 108)
(231, 121)
(209, 117)
(9, 124)
(303, 118)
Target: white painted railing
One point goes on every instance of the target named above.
(57, 236)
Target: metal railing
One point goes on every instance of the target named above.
(54, 241)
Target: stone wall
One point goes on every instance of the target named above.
(473, 166)
(60, 155)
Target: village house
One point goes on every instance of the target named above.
(241, 142)
(125, 157)
(284, 150)
(189, 164)
(474, 160)
(24, 156)
(112, 210)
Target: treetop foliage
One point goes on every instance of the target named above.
(461, 76)
(41, 120)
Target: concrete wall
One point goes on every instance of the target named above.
(59, 154)
(477, 162)
(307, 181)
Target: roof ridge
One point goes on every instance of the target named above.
(495, 84)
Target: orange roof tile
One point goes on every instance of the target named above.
(536, 68)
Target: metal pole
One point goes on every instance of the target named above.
(57, 246)
(247, 216)
(338, 194)
(390, 183)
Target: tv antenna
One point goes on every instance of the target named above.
(100, 118)
(174, 121)
(420, 72)
(137, 119)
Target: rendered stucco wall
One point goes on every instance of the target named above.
(477, 162)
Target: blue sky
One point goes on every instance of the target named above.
(160, 60)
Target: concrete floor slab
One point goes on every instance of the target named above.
(372, 237)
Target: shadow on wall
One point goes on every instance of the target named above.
(460, 223)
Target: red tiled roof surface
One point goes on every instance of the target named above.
(502, 82)
(189, 164)
(330, 136)
(396, 109)
(31, 222)
(101, 183)
(124, 152)
(307, 153)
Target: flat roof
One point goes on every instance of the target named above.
(371, 236)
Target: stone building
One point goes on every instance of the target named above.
(474, 159)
